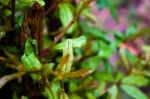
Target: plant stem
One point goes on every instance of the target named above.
(10, 77)
(85, 3)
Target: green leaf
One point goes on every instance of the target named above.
(24, 97)
(25, 1)
(135, 80)
(24, 4)
(2, 34)
(133, 91)
(106, 50)
(119, 76)
(79, 41)
(96, 45)
(50, 92)
(36, 77)
(131, 31)
(28, 47)
(90, 95)
(113, 91)
(66, 15)
(108, 66)
(56, 86)
(139, 33)
(94, 32)
(103, 76)
(74, 96)
(26, 62)
(41, 2)
(113, 9)
(6, 2)
(7, 12)
(31, 62)
(76, 43)
(15, 96)
(47, 94)
(119, 38)
(35, 62)
(29, 59)
(91, 63)
(131, 58)
(35, 46)
(73, 86)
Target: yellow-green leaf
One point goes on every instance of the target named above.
(67, 58)
(63, 95)
(79, 73)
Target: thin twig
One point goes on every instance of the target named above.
(85, 4)
(58, 37)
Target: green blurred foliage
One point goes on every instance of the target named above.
(134, 92)
(112, 6)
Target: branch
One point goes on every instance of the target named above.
(85, 3)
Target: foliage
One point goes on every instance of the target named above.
(75, 61)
